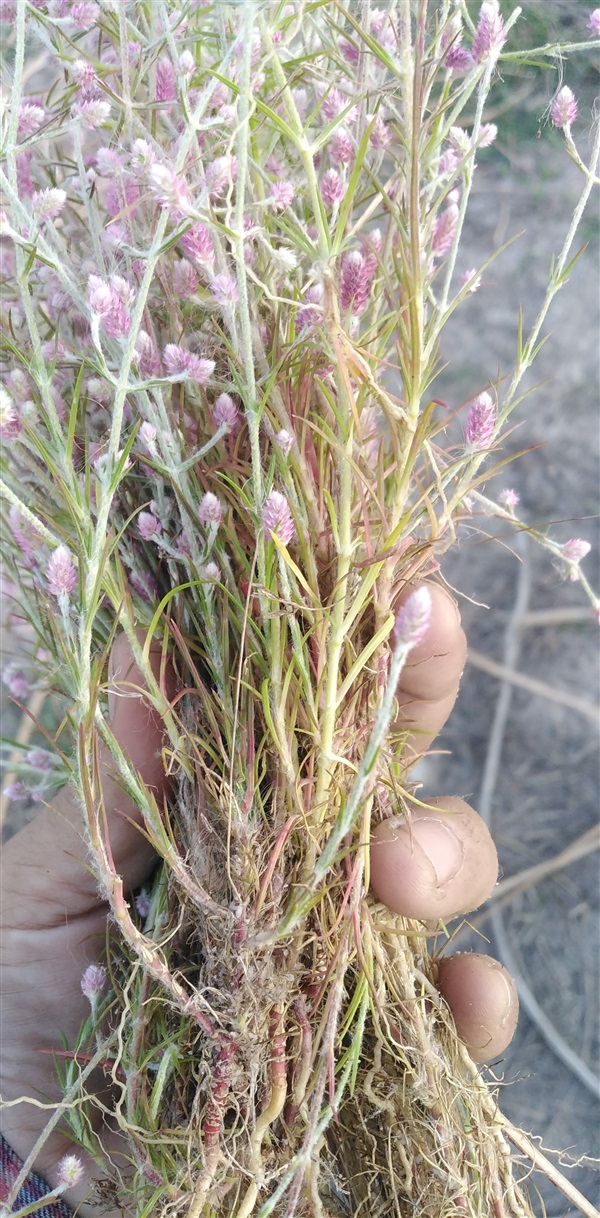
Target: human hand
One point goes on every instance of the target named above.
(440, 864)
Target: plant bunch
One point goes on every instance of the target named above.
(230, 244)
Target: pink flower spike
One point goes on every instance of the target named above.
(7, 409)
(147, 435)
(490, 34)
(466, 278)
(61, 572)
(284, 441)
(355, 283)
(282, 194)
(593, 23)
(341, 148)
(93, 981)
(459, 59)
(481, 423)
(200, 370)
(332, 187)
(211, 574)
(149, 527)
(575, 549)
(487, 135)
(277, 518)
(185, 279)
(564, 108)
(198, 244)
(211, 509)
(380, 136)
(142, 903)
(17, 683)
(444, 230)
(91, 114)
(176, 360)
(48, 204)
(69, 1172)
(146, 356)
(225, 290)
(165, 81)
(39, 759)
(30, 118)
(226, 413)
(168, 189)
(413, 619)
(509, 499)
(15, 790)
(220, 174)
(84, 14)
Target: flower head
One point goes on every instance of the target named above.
(281, 195)
(7, 408)
(509, 499)
(593, 23)
(444, 230)
(105, 300)
(146, 356)
(341, 148)
(147, 435)
(17, 683)
(39, 759)
(220, 174)
(226, 413)
(185, 279)
(307, 315)
(84, 14)
(91, 113)
(332, 187)
(69, 1171)
(165, 81)
(413, 619)
(168, 189)
(575, 549)
(490, 34)
(61, 572)
(487, 135)
(47, 204)
(380, 136)
(470, 278)
(30, 118)
(225, 290)
(458, 58)
(149, 527)
(277, 518)
(198, 244)
(93, 981)
(355, 285)
(284, 441)
(564, 108)
(211, 509)
(481, 423)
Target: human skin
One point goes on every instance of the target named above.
(54, 924)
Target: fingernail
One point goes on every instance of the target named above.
(440, 844)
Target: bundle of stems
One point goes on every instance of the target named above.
(230, 245)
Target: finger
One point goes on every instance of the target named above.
(46, 865)
(430, 680)
(439, 863)
(484, 1002)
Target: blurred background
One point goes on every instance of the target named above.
(522, 746)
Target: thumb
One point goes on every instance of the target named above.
(46, 866)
